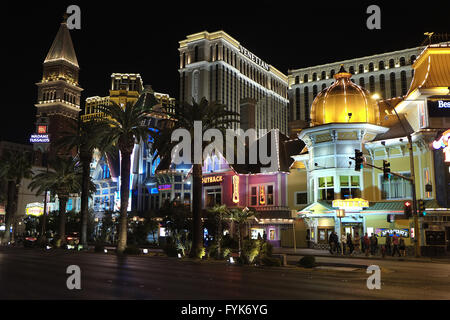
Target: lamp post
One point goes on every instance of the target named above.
(412, 180)
(340, 213)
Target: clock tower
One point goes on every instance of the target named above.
(59, 93)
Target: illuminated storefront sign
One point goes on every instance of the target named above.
(262, 195)
(42, 129)
(212, 179)
(34, 209)
(236, 189)
(438, 107)
(347, 204)
(384, 232)
(164, 187)
(254, 58)
(443, 143)
(39, 138)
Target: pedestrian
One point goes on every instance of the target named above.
(402, 247)
(336, 243)
(388, 244)
(376, 244)
(395, 243)
(383, 250)
(331, 242)
(350, 243)
(372, 244)
(344, 243)
(366, 244)
(356, 243)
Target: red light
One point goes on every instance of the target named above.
(42, 129)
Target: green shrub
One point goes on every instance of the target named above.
(212, 251)
(270, 261)
(132, 250)
(250, 250)
(307, 262)
(226, 252)
(266, 249)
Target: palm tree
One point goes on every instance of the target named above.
(14, 167)
(220, 213)
(63, 179)
(123, 127)
(85, 139)
(212, 116)
(241, 216)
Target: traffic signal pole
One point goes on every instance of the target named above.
(414, 204)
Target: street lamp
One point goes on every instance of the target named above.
(377, 97)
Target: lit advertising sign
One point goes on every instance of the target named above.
(164, 187)
(236, 189)
(34, 209)
(438, 108)
(254, 58)
(348, 204)
(39, 138)
(212, 179)
(42, 129)
(442, 142)
(385, 232)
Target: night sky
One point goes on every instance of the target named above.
(142, 37)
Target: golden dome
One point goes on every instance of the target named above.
(344, 102)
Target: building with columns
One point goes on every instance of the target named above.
(217, 67)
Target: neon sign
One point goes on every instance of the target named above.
(212, 179)
(356, 204)
(164, 187)
(39, 138)
(262, 195)
(236, 189)
(34, 209)
(443, 143)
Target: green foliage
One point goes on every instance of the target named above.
(266, 249)
(107, 228)
(307, 262)
(226, 252)
(250, 250)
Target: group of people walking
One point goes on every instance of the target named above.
(366, 245)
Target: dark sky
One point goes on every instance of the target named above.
(142, 37)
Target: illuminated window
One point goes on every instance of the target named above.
(350, 187)
(395, 187)
(213, 197)
(326, 188)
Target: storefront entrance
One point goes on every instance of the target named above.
(352, 228)
(324, 234)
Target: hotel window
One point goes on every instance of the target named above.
(301, 198)
(372, 84)
(213, 196)
(361, 82)
(195, 53)
(361, 68)
(297, 80)
(324, 85)
(331, 73)
(381, 65)
(262, 195)
(297, 103)
(391, 63)
(306, 97)
(314, 76)
(350, 187)
(395, 187)
(211, 53)
(393, 86)
(402, 61)
(371, 67)
(412, 59)
(326, 188)
(217, 52)
(305, 78)
(382, 86)
(403, 82)
(314, 91)
(352, 70)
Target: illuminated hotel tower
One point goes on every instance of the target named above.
(217, 67)
(58, 99)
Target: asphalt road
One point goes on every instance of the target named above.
(35, 274)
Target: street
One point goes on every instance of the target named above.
(36, 274)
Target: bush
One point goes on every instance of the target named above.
(226, 252)
(266, 249)
(250, 250)
(212, 251)
(270, 261)
(307, 262)
(132, 250)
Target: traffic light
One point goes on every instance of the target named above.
(421, 207)
(386, 170)
(407, 208)
(358, 160)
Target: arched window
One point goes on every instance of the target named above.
(331, 73)
(305, 78)
(306, 94)
(361, 82)
(403, 82)
(297, 79)
(391, 63)
(412, 59)
(381, 65)
(208, 164)
(217, 52)
(402, 61)
(210, 53)
(297, 103)
(352, 70)
(323, 75)
(372, 84)
(371, 67)
(323, 86)
(216, 163)
(314, 91)
(382, 86)
(393, 85)
(361, 68)
(314, 76)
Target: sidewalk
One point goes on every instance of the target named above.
(325, 253)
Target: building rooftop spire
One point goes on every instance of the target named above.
(62, 47)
